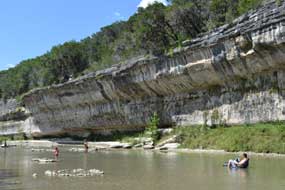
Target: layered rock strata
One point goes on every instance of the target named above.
(14, 119)
(232, 75)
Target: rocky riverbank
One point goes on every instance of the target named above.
(197, 139)
(171, 148)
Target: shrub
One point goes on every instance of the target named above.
(151, 129)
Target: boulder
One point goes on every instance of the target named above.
(148, 146)
(165, 131)
(138, 145)
(77, 150)
(44, 160)
(74, 173)
(127, 146)
(144, 140)
(41, 150)
(169, 146)
(119, 145)
(172, 139)
(48, 173)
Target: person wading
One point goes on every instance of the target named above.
(86, 146)
(56, 152)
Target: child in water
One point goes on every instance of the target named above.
(86, 146)
(56, 152)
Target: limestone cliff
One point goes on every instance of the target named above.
(14, 119)
(234, 74)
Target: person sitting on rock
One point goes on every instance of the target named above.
(243, 163)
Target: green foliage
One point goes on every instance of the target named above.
(222, 11)
(267, 138)
(153, 31)
(215, 117)
(152, 128)
(246, 5)
(4, 138)
(20, 79)
(278, 2)
(20, 137)
(66, 61)
(188, 18)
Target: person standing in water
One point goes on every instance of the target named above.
(56, 152)
(86, 146)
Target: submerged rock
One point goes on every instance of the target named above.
(48, 173)
(83, 149)
(76, 150)
(41, 150)
(74, 173)
(44, 160)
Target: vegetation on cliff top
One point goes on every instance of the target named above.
(153, 30)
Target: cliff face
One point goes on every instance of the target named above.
(14, 119)
(233, 75)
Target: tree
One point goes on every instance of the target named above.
(153, 32)
(246, 5)
(66, 61)
(225, 11)
(218, 10)
(188, 17)
(153, 126)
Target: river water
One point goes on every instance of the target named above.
(139, 170)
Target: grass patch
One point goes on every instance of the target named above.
(266, 138)
(3, 138)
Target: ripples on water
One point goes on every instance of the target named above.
(139, 170)
(6, 177)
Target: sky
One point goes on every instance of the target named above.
(29, 28)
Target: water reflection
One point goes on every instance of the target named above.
(9, 176)
(85, 161)
(238, 172)
(6, 179)
(3, 157)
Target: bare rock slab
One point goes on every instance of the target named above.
(44, 160)
(169, 146)
(74, 173)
